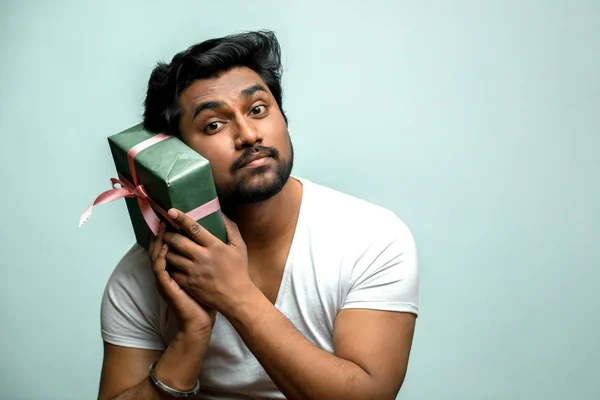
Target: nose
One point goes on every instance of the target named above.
(247, 134)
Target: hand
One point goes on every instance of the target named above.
(192, 316)
(213, 272)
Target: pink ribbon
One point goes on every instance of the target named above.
(131, 190)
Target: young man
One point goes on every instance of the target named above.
(314, 296)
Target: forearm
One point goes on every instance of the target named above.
(178, 368)
(300, 369)
(144, 390)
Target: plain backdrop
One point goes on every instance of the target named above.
(477, 122)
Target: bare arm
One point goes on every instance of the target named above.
(125, 373)
(371, 352)
(125, 370)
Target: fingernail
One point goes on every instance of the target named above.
(172, 213)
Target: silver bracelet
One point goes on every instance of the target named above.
(170, 391)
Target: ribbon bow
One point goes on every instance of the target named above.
(129, 191)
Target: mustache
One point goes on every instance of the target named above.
(251, 151)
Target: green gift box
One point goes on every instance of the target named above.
(159, 172)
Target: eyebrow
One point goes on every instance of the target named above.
(253, 89)
(208, 105)
(212, 105)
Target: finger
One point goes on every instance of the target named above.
(159, 265)
(158, 242)
(160, 270)
(234, 237)
(180, 278)
(181, 244)
(192, 228)
(151, 240)
(173, 222)
(183, 282)
(150, 245)
(180, 262)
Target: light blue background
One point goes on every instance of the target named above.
(476, 121)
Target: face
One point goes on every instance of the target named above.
(235, 123)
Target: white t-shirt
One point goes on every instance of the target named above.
(346, 253)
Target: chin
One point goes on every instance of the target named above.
(258, 185)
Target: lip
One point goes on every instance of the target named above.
(255, 157)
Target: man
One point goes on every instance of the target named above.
(314, 296)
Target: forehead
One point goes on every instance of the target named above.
(226, 87)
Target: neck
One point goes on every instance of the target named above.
(263, 224)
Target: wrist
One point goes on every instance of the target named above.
(247, 305)
(168, 391)
(192, 334)
(181, 363)
(173, 377)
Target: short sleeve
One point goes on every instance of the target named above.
(130, 309)
(385, 275)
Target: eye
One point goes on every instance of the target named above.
(258, 110)
(213, 127)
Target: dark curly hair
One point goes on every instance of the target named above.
(257, 50)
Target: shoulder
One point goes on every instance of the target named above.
(376, 248)
(134, 272)
(350, 218)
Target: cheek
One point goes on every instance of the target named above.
(285, 145)
(220, 162)
(280, 137)
(220, 168)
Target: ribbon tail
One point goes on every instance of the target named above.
(86, 214)
(106, 197)
(150, 216)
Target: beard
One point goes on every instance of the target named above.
(272, 179)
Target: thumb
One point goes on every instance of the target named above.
(234, 236)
